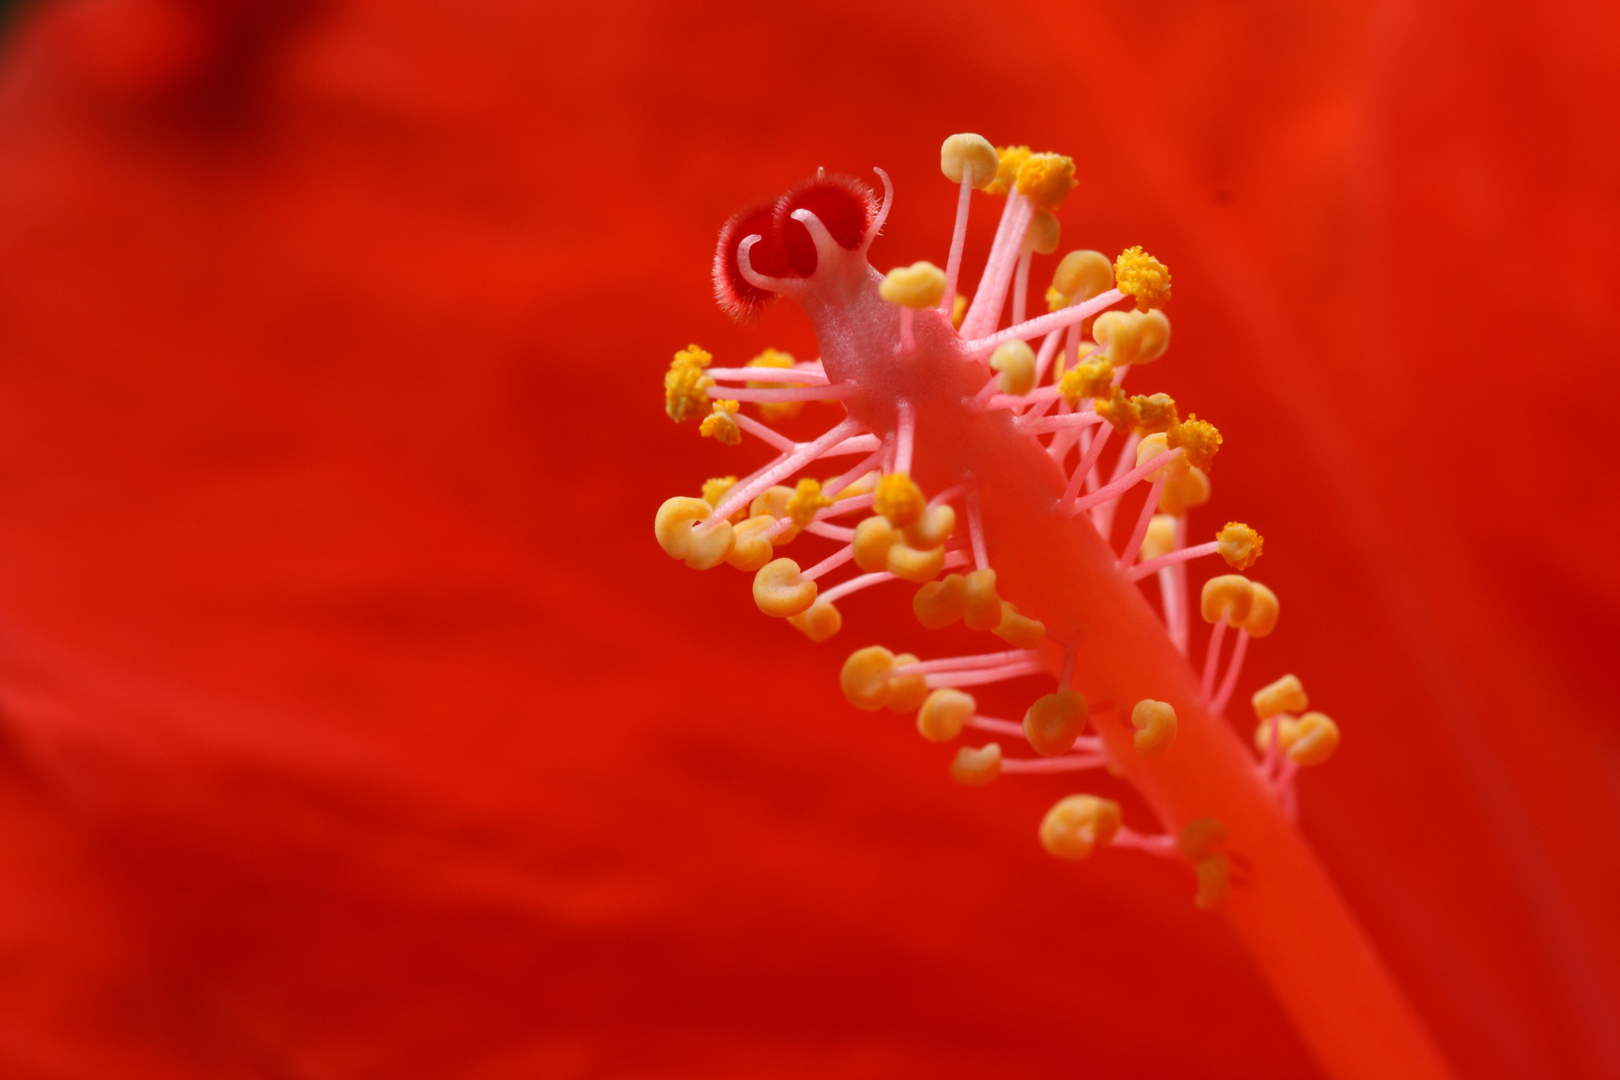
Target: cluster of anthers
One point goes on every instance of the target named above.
(1013, 441)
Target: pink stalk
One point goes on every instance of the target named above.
(1133, 546)
(783, 467)
(1171, 558)
(991, 295)
(1170, 600)
(951, 494)
(1062, 764)
(1178, 573)
(786, 393)
(999, 727)
(983, 346)
(768, 374)
(1115, 488)
(851, 475)
(963, 663)
(860, 444)
(1058, 423)
(1043, 359)
(831, 532)
(953, 264)
(1071, 348)
(831, 562)
(763, 432)
(979, 676)
(905, 436)
(981, 557)
(1233, 667)
(1212, 659)
(1021, 285)
(854, 585)
(1164, 845)
(1082, 470)
(1103, 516)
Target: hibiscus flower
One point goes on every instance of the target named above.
(355, 726)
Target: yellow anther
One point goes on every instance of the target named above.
(920, 285)
(1117, 410)
(933, 528)
(1315, 739)
(779, 591)
(959, 308)
(677, 529)
(981, 606)
(1047, 179)
(1287, 730)
(721, 425)
(864, 485)
(1214, 883)
(1239, 545)
(1182, 495)
(1019, 631)
(938, 604)
(818, 622)
(906, 692)
(1055, 301)
(1078, 825)
(1053, 723)
(1155, 723)
(1119, 335)
(1201, 838)
(750, 550)
(1160, 538)
(873, 539)
(865, 677)
(1152, 335)
(774, 501)
(1016, 363)
(1156, 412)
(900, 500)
(1087, 379)
(1044, 233)
(1286, 695)
(971, 154)
(1153, 446)
(775, 410)
(1138, 274)
(1226, 597)
(1262, 618)
(914, 564)
(975, 768)
(686, 386)
(807, 499)
(943, 713)
(1199, 438)
(1083, 274)
(1008, 159)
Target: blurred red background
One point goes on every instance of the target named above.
(354, 726)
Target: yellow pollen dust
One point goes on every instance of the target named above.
(900, 500)
(1239, 545)
(1155, 413)
(715, 488)
(1138, 274)
(1008, 161)
(686, 386)
(1118, 410)
(775, 410)
(1087, 379)
(807, 499)
(721, 424)
(1047, 179)
(1199, 438)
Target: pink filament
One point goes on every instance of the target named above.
(905, 430)
(1021, 286)
(831, 562)
(1035, 327)
(1062, 764)
(953, 264)
(1133, 546)
(835, 392)
(964, 663)
(764, 432)
(783, 467)
(1212, 659)
(814, 376)
(1171, 558)
(1118, 487)
(981, 557)
(979, 676)
(1233, 667)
